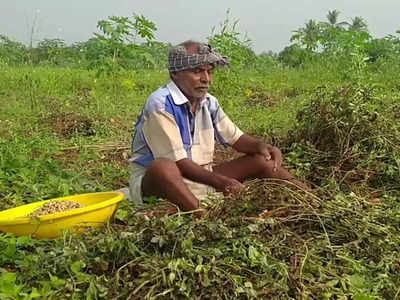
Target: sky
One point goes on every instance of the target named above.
(269, 24)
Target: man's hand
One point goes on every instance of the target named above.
(271, 153)
(228, 185)
(221, 183)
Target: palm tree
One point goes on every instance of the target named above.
(333, 17)
(358, 24)
(308, 36)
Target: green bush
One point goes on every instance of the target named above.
(352, 131)
(230, 42)
(12, 53)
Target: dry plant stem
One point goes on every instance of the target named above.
(123, 267)
(302, 267)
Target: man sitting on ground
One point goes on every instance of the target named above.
(173, 145)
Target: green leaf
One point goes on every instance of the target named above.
(357, 281)
(332, 282)
(11, 249)
(187, 244)
(57, 282)
(25, 241)
(34, 294)
(8, 285)
(77, 266)
(363, 297)
(253, 254)
(198, 268)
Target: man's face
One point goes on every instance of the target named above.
(194, 83)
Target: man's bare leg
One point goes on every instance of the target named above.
(255, 166)
(163, 179)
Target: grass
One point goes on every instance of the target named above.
(67, 131)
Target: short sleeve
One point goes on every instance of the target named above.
(226, 132)
(163, 137)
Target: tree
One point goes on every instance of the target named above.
(50, 50)
(11, 52)
(358, 24)
(308, 36)
(294, 56)
(227, 40)
(119, 31)
(333, 16)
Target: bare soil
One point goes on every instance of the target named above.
(67, 125)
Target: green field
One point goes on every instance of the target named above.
(66, 123)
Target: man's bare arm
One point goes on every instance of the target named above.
(250, 145)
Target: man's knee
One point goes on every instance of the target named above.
(159, 173)
(163, 168)
(261, 161)
(264, 167)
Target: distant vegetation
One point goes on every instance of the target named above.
(330, 100)
(129, 42)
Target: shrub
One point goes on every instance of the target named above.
(351, 133)
(229, 41)
(11, 52)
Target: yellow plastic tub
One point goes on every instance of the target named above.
(97, 210)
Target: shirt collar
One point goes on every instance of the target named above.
(178, 97)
